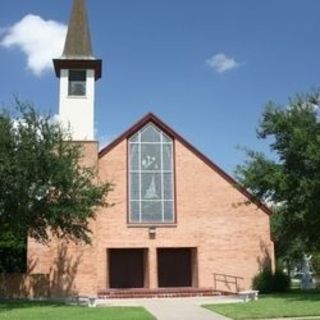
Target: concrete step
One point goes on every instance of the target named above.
(156, 293)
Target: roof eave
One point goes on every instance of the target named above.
(78, 64)
(150, 117)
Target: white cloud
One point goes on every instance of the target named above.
(222, 63)
(40, 40)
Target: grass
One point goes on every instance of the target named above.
(53, 311)
(293, 304)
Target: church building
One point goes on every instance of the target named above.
(179, 225)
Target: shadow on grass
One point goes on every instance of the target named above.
(9, 305)
(296, 295)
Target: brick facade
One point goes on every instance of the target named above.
(227, 234)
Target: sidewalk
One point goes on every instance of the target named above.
(176, 308)
(296, 318)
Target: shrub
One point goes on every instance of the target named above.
(267, 282)
(263, 281)
(316, 264)
(280, 281)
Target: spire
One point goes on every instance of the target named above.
(77, 53)
(78, 41)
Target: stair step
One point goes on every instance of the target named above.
(156, 293)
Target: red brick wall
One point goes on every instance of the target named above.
(17, 286)
(71, 268)
(231, 237)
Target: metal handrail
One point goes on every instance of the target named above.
(227, 280)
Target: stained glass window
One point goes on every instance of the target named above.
(151, 190)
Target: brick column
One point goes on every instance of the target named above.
(153, 271)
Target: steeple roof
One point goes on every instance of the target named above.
(78, 41)
(77, 53)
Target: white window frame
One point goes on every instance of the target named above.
(140, 172)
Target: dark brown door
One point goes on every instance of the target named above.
(126, 268)
(174, 268)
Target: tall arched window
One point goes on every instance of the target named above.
(151, 179)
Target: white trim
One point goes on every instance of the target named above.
(151, 171)
(140, 184)
(160, 172)
(161, 176)
(152, 200)
(135, 142)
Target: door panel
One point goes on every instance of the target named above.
(126, 268)
(174, 267)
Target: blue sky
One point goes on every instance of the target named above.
(206, 67)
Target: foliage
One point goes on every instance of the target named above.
(280, 282)
(13, 253)
(44, 190)
(293, 304)
(267, 282)
(289, 177)
(263, 281)
(288, 250)
(315, 261)
(13, 259)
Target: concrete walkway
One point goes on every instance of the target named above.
(175, 308)
(296, 318)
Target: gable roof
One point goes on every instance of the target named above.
(150, 117)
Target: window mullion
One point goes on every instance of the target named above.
(143, 173)
(173, 213)
(162, 177)
(140, 185)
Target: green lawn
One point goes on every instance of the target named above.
(55, 311)
(293, 304)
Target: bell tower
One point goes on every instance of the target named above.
(78, 70)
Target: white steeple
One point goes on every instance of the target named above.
(78, 70)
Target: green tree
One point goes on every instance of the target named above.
(288, 250)
(44, 190)
(289, 177)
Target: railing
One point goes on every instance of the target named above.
(229, 282)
